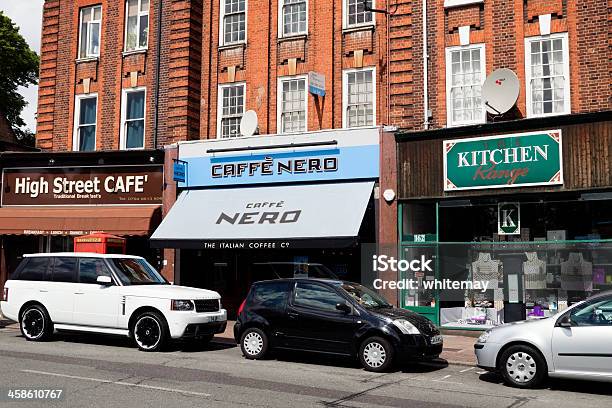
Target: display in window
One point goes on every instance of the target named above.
(577, 273)
(535, 271)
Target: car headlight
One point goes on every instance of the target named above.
(405, 326)
(182, 305)
(484, 337)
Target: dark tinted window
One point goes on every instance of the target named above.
(593, 313)
(35, 269)
(316, 296)
(91, 268)
(272, 295)
(64, 269)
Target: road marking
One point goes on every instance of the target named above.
(467, 369)
(128, 384)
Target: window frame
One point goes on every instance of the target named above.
(281, 24)
(76, 120)
(567, 106)
(91, 9)
(279, 101)
(124, 120)
(345, 87)
(220, 106)
(449, 80)
(139, 15)
(345, 17)
(222, 15)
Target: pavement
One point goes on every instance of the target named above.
(105, 371)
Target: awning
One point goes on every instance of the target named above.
(117, 220)
(266, 217)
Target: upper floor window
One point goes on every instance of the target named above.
(85, 114)
(356, 13)
(292, 104)
(293, 17)
(231, 109)
(136, 25)
(547, 75)
(465, 74)
(133, 118)
(89, 39)
(233, 21)
(359, 98)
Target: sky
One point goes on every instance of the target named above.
(27, 14)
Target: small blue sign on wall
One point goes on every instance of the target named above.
(180, 171)
(316, 83)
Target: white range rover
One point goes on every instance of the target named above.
(113, 294)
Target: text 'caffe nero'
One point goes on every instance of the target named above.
(522, 207)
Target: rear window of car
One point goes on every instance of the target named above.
(64, 269)
(271, 295)
(35, 269)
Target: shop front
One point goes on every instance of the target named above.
(516, 216)
(272, 206)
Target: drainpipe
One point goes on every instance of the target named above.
(425, 70)
(157, 70)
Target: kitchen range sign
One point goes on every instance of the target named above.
(516, 160)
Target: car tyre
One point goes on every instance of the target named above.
(35, 323)
(150, 331)
(254, 343)
(376, 354)
(522, 367)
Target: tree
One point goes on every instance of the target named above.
(18, 67)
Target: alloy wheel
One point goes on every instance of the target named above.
(147, 332)
(521, 367)
(374, 354)
(253, 343)
(33, 323)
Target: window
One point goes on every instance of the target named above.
(35, 269)
(136, 25)
(465, 74)
(355, 13)
(316, 296)
(292, 105)
(91, 268)
(359, 98)
(85, 123)
(293, 17)
(233, 22)
(593, 313)
(271, 295)
(547, 75)
(64, 270)
(89, 39)
(133, 119)
(231, 108)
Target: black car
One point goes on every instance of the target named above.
(334, 317)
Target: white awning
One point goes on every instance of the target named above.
(276, 213)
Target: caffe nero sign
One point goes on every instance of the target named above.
(515, 160)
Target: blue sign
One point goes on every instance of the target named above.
(316, 83)
(180, 171)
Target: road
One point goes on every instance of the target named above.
(99, 371)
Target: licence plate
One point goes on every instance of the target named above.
(436, 340)
(215, 318)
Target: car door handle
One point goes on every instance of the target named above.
(292, 315)
(43, 291)
(79, 293)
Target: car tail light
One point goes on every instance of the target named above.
(241, 306)
(5, 295)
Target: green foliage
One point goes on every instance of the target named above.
(18, 67)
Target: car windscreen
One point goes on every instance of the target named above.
(366, 297)
(136, 271)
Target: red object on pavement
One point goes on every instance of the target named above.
(100, 243)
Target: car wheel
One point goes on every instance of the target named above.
(376, 354)
(150, 331)
(35, 323)
(254, 343)
(522, 367)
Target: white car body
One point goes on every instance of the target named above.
(581, 352)
(108, 308)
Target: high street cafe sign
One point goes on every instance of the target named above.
(516, 160)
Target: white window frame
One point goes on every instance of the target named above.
(279, 101)
(449, 78)
(88, 39)
(123, 132)
(222, 25)
(77, 115)
(139, 14)
(220, 105)
(345, 87)
(345, 18)
(281, 20)
(567, 106)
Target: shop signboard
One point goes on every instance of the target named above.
(514, 160)
(509, 218)
(89, 185)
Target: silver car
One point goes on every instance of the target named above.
(575, 343)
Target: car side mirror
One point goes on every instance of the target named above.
(343, 307)
(565, 321)
(104, 280)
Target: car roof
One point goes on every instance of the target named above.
(321, 280)
(80, 255)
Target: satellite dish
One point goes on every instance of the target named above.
(500, 91)
(248, 123)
